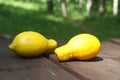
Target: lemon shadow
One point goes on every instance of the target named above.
(95, 59)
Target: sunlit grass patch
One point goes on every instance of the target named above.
(21, 15)
(24, 4)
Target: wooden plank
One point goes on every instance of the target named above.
(106, 66)
(66, 67)
(110, 50)
(13, 67)
(117, 41)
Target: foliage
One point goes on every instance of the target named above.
(22, 15)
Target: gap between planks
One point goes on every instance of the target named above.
(105, 53)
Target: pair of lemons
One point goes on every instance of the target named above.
(31, 44)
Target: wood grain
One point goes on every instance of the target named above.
(105, 66)
(13, 67)
(117, 41)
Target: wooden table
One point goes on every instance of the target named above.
(106, 66)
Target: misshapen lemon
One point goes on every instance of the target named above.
(31, 44)
(82, 47)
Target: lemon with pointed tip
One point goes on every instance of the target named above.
(82, 47)
(31, 44)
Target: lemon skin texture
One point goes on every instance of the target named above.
(31, 44)
(82, 47)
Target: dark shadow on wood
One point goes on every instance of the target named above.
(22, 57)
(53, 58)
(95, 59)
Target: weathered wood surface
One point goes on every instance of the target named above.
(117, 41)
(106, 66)
(13, 67)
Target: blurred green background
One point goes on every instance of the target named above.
(22, 15)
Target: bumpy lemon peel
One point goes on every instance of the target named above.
(82, 47)
(31, 44)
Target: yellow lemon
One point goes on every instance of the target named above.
(31, 44)
(82, 47)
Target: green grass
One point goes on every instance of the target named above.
(15, 19)
(104, 27)
(22, 15)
